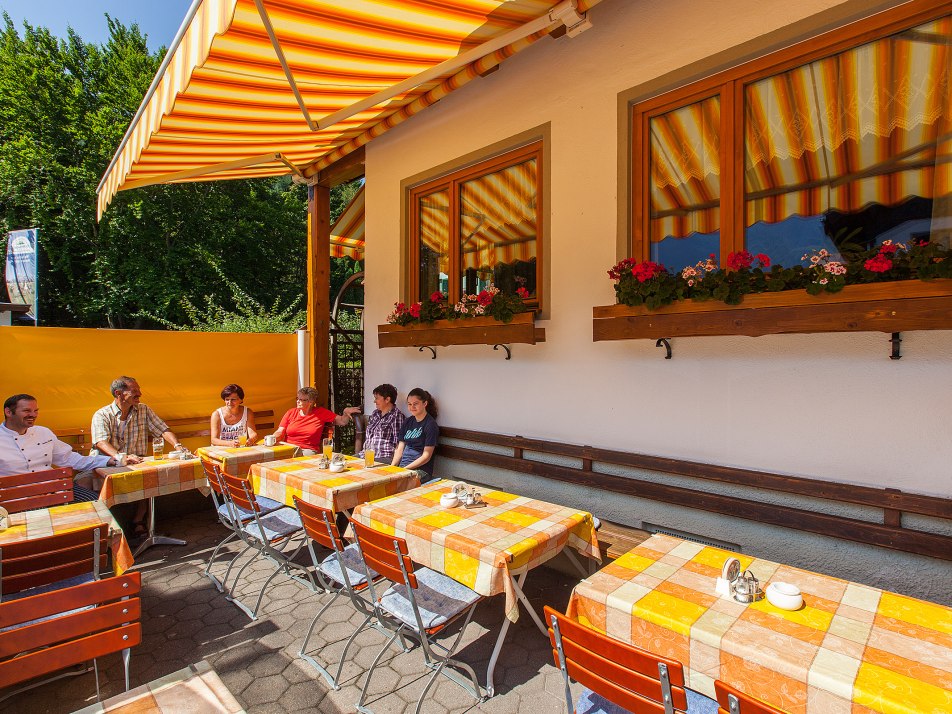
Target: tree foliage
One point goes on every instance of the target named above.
(64, 108)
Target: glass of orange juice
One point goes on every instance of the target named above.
(328, 448)
(369, 458)
(242, 439)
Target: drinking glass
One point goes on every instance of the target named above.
(242, 439)
(328, 448)
(369, 458)
(158, 447)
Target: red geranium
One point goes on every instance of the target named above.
(739, 260)
(415, 309)
(764, 260)
(484, 298)
(436, 297)
(522, 293)
(878, 264)
(646, 270)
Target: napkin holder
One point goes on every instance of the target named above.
(724, 587)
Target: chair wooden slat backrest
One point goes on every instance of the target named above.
(629, 676)
(380, 554)
(240, 491)
(731, 700)
(317, 521)
(106, 620)
(37, 489)
(41, 561)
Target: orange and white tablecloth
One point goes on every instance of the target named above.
(301, 477)
(153, 477)
(196, 688)
(850, 648)
(30, 525)
(481, 547)
(238, 461)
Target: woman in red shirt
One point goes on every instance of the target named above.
(303, 426)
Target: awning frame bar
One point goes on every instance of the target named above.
(565, 13)
(269, 28)
(205, 170)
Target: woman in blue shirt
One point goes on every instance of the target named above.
(419, 436)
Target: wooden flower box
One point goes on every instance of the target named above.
(474, 331)
(878, 307)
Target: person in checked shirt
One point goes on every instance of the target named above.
(384, 425)
(128, 427)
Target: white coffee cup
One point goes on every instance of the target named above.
(270, 440)
(449, 500)
(121, 458)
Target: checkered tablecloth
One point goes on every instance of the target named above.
(281, 480)
(69, 517)
(851, 648)
(481, 547)
(124, 484)
(197, 689)
(238, 461)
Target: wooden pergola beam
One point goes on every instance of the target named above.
(319, 287)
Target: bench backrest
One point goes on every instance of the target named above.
(80, 439)
(37, 489)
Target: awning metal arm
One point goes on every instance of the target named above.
(266, 21)
(205, 170)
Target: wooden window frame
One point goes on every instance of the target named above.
(452, 183)
(729, 86)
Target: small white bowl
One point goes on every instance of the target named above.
(449, 500)
(336, 468)
(784, 595)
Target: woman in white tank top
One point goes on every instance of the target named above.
(233, 420)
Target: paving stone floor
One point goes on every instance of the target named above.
(185, 619)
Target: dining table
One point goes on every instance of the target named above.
(238, 460)
(148, 479)
(490, 548)
(43, 522)
(305, 478)
(849, 647)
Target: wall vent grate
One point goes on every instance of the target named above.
(693, 537)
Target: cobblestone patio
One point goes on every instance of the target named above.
(185, 619)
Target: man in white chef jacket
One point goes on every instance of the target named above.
(25, 447)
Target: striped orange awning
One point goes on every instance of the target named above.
(347, 233)
(255, 88)
(869, 125)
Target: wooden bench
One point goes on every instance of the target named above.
(80, 439)
(615, 539)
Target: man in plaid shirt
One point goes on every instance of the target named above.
(126, 426)
(384, 425)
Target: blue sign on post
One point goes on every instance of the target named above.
(21, 268)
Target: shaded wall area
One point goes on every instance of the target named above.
(181, 373)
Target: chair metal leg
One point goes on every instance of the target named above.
(224, 582)
(211, 559)
(96, 673)
(363, 692)
(126, 659)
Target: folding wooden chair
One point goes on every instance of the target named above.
(341, 572)
(618, 677)
(229, 516)
(47, 632)
(734, 701)
(37, 489)
(43, 564)
(269, 534)
(422, 604)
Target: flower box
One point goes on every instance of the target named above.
(875, 307)
(472, 331)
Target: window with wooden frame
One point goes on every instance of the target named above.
(479, 225)
(842, 139)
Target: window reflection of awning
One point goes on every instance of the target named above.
(871, 125)
(497, 224)
(347, 233)
(255, 88)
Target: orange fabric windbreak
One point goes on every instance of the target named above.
(69, 370)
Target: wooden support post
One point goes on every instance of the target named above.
(319, 287)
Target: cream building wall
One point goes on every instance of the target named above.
(828, 406)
